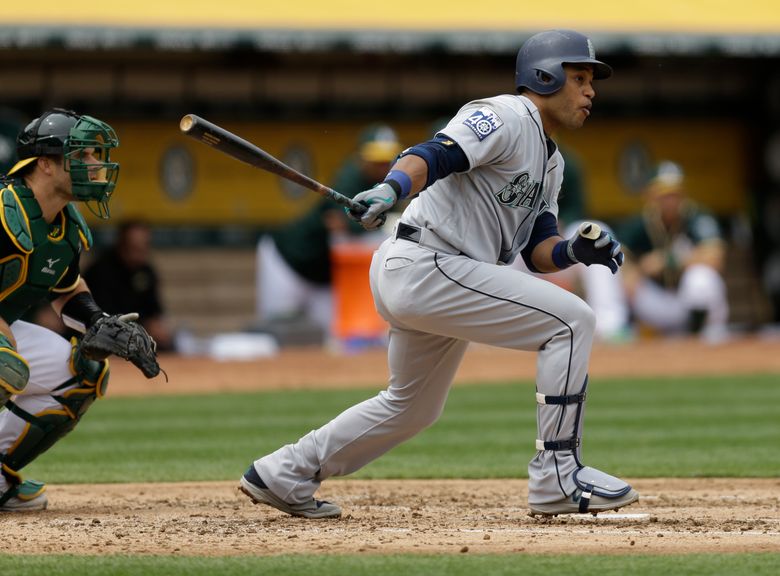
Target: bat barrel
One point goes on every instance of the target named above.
(240, 149)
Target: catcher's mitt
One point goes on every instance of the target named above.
(121, 335)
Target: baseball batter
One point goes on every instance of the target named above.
(487, 188)
(46, 382)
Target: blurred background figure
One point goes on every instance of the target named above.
(675, 256)
(294, 264)
(122, 278)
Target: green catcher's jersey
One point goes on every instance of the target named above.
(38, 261)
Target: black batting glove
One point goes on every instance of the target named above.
(604, 250)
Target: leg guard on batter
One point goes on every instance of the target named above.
(580, 488)
(44, 429)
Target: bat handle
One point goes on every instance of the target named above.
(590, 230)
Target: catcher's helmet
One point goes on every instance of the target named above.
(59, 132)
(541, 58)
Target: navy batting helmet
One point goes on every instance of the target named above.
(541, 58)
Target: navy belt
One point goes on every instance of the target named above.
(408, 232)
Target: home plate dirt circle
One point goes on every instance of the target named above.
(397, 516)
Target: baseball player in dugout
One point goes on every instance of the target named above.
(673, 274)
(484, 191)
(47, 383)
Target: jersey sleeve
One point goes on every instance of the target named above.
(482, 132)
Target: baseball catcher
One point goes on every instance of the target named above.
(47, 383)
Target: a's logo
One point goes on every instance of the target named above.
(49, 269)
(483, 122)
(521, 191)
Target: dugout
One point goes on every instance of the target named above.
(697, 83)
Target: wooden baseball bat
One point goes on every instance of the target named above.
(240, 149)
(590, 230)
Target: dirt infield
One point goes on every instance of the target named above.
(439, 516)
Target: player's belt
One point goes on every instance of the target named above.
(424, 237)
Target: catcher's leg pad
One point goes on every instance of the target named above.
(44, 429)
(14, 371)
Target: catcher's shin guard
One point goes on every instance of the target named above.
(14, 371)
(44, 429)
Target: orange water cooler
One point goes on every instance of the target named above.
(356, 323)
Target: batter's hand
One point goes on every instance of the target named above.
(379, 200)
(603, 249)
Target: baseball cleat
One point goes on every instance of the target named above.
(25, 497)
(571, 504)
(253, 486)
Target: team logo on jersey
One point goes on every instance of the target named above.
(521, 191)
(483, 122)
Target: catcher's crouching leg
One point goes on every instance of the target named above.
(45, 427)
(14, 371)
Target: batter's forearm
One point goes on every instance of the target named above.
(416, 169)
(542, 255)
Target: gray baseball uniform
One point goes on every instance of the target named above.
(440, 282)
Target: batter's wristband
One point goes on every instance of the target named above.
(560, 255)
(400, 182)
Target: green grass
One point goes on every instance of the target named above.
(724, 426)
(452, 565)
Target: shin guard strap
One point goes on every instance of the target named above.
(558, 445)
(585, 497)
(560, 400)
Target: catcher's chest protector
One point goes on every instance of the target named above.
(37, 255)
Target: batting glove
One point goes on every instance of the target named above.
(378, 200)
(604, 250)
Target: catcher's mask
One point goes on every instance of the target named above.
(60, 132)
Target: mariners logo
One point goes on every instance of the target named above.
(483, 122)
(521, 191)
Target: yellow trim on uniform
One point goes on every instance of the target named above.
(21, 164)
(27, 426)
(8, 388)
(63, 290)
(61, 235)
(93, 386)
(5, 384)
(67, 289)
(18, 441)
(24, 215)
(12, 472)
(84, 241)
(22, 274)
